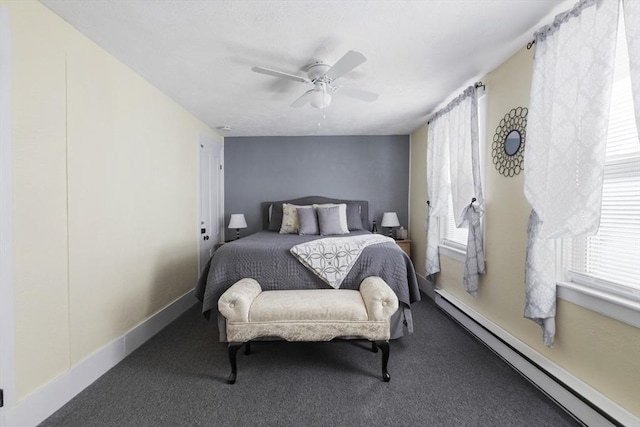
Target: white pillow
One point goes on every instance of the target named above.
(342, 212)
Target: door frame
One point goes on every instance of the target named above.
(204, 138)
(7, 367)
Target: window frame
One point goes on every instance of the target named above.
(601, 300)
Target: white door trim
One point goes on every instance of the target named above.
(204, 138)
(7, 367)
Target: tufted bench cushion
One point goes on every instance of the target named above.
(313, 305)
(308, 315)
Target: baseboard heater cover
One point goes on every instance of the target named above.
(568, 397)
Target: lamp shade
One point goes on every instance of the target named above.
(320, 99)
(390, 219)
(237, 221)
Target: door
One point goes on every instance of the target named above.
(211, 197)
(6, 285)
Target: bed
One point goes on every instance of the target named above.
(265, 256)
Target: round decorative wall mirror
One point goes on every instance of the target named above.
(508, 142)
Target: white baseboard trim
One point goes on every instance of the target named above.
(578, 398)
(44, 402)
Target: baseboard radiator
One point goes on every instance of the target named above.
(569, 392)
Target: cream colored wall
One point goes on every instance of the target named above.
(418, 198)
(105, 196)
(602, 352)
(38, 133)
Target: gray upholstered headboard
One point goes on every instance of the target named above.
(310, 200)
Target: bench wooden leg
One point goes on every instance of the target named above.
(233, 350)
(247, 348)
(384, 346)
(374, 347)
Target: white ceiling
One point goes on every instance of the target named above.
(420, 54)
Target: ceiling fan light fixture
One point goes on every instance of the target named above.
(321, 99)
(322, 76)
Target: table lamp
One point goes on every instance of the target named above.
(237, 221)
(390, 219)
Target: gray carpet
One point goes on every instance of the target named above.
(440, 376)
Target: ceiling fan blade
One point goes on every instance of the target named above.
(348, 62)
(276, 73)
(362, 95)
(306, 97)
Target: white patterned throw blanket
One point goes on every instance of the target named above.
(331, 259)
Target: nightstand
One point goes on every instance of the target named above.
(405, 245)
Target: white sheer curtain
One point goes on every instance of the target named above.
(438, 187)
(453, 152)
(631, 19)
(567, 127)
(466, 188)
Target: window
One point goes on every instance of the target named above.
(608, 263)
(613, 254)
(453, 239)
(452, 235)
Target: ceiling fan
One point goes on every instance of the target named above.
(323, 77)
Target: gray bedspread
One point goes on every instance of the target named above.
(265, 256)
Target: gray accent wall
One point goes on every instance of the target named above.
(373, 168)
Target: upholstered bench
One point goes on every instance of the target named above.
(308, 315)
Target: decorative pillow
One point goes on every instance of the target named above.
(275, 216)
(329, 220)
(289, 219)
(307, 221)
(342, 212)
(354, 219)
